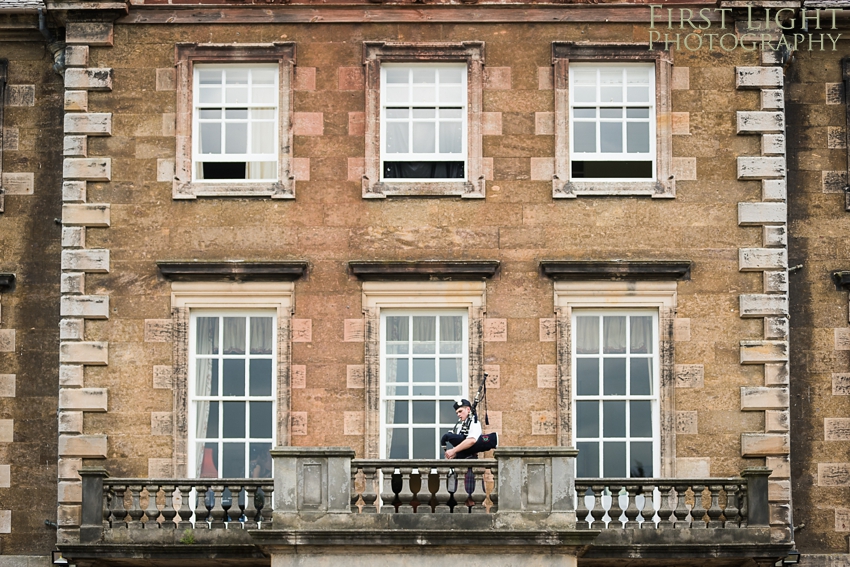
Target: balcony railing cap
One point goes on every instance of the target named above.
(535, 452)
(756, 471)
(93, 471)
(313, 452)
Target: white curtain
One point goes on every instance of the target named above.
(587, 335)
(207, 343)
(261, 335)
(234, 335)
(614, 335)
(641, 339)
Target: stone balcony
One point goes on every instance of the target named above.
(525, 503)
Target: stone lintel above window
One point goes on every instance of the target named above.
(232, 271)
(377, 52)
(7, 282)
(639, 270)
(563, 186)
(424, 270)
(187, 55)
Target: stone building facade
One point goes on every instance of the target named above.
(174, 169)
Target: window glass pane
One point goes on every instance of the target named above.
(236, 114)
(261, 377)
(640, 378)
(451, 137)
(614, 418)
(638, 94)
(398, 113)
(397, 334)
(236, 138)
(397, 390)
(451, 335)
(637, 113)
(214, 379)
(209, 76)
(262, 138)
(611, 94)
(447, 412)
(424, 390)
(236, 76)
(451, 94)
(424, 412)
(397, 370)
(206, 372)
(610, 76)
(424, 444)
(641, 335)
(233, 383)
(587, 461)
(452, 75)
(210, 138)
(587, 377)
(209, 113)
(206, 335)
(611, 137)
(587, 335)
(450, 390)
(640, 418)
(397, 443)
(584, 76)
(424, 137)
(261, 335)
(261, 76)
(207, 462)
(207, 420)
(637, 134)
(397, 94)
(587, 419)
(584, 113)
(263, 95)
(209, 95)
(584, 94)
(424, 113)
(424, 75)
(233, 460)
(397, 138)
(614, 335)
(397, 75)
(584, 137)
(641, 460)
(450, 369)
(614, 376)
(614, 459)
(424, 335)
(234, 335)
(233, 419)
(637, 75)
(260, 460)
(397, 412)
(610, 112)
(423, 370)
(236, 95)
(260, 419)
(425, 94)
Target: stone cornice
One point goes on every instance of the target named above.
(616, 269)
(285, 270)
(424, 269)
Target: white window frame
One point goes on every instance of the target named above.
(567, 53)
(188, 55)
(601, 397)
(225, 122)
(436, 106)
(600, 105)
(220, 397)
(188, 297)
(657, 296)
(439, 427)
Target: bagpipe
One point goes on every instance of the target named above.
(486, 441)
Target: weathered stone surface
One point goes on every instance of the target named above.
(833, 474)
(298, 376)
(842, 338)
(162, 377)
(772, 99)
(761, 167)
(76, 101)
(157, 330)
(355, 375)
(162, 423)
(494, 375)
(7, 340)
(75, 146)
(776, 328)
(160, 468)
(302, 330)
(89, 33)
(754, 121)
(547, 375)
(88, 306)
(72, 329)
(353, 422)
(70, 375)
(83, 399)
(91, 124)
(7, 430)
(7, 385)
(836, 429)
(74, 191)
(86, 214)
(353, 331)
(73, 282)
(775, 236)
(840, 384)
(90, 260)
(543, 423)
(775, 281)
(693, 467)
(299, 423)
(89, 79)
(763, 305)
(777, 421)
(94, 353)
(764, 398)
(758, 352)
(774, 189)
(758, 77)
(689, 375)
(77, 55)
(93, 169)
(19, 183)
(687, 423)
(763, 444)
(20, 95)
(773, 144)
(495, 330)
(757, 259)
(86, 446)
(70, 422)
(548, 330)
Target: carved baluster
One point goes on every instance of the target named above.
(152, 512)
(387, 494)
(581, 507)
(714, 511)
(402, 481)
(237, 508)
(168, 511)
(441, 492)
(260, 500)
(370, 491)
(136, 512)
(418, 499)
(698, 511)
(107, 506)
(218, 514)
(598, 511)
(249, 511)
(615, 511)
(632, 511)
(268, 505)
(744, 500)
(478, 495)
(680, 516)
(451, 487)
(489, 481)
(731, 511)
(358, 485)
(648, 511)
(119, 512)
(183, 499)
(665, 511)
(202, 513)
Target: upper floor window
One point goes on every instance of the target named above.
(235, 122)
(232, 393)
(612, 121)
(423, 126)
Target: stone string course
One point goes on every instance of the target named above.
(771, 350)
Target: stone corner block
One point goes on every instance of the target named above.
(86, 446)
(758, 77)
